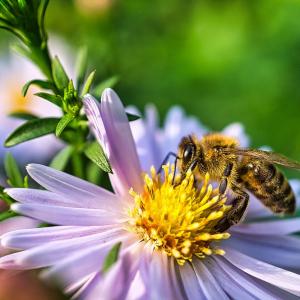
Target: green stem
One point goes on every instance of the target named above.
(77, 164)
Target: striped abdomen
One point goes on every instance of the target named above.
(268, 184)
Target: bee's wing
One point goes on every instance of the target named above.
(271, 157)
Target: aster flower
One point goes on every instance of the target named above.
(169, 250)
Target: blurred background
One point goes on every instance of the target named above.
(223, 61)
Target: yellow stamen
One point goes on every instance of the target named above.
(179, 219)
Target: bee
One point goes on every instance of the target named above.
(240, 171)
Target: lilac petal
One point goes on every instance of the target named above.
(116, 137)
(29, 238)
(272, 227)
(286, 280)
(144, 132)
(17, 223)
(237, 130)
(67, 215)
(71, 187)
(232, 287)
(281, 251)
(31, 196)
(155, 272)
(253, 286)
(90, 261)
(116, 282)
(190, 282)
(210, 287)
(53, 252)
(177, 125)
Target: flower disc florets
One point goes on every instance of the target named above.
(178, 218)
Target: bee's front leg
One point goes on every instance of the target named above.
(236, 213)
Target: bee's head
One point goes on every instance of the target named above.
(187, 150)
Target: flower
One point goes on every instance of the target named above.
(154, 263)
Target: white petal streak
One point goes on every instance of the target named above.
(210, 287)
(66, 215)
(279, 277)
(29, 238)
(71, 187)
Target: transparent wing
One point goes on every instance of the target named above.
(271, 157)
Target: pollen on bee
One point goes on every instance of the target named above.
(179, 219)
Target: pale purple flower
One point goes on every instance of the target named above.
(261, 260)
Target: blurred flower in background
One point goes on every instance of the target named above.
(15, 71)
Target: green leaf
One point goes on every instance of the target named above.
(23, 115)
(93, 173)
(112, 257)
(47, 85)
(12, 171)
(96, 154)
(132, 117)
(55, 99)
(88, 83)
(59, 74)
(108, 83)
(31, 130)
(60, 160)
(81, 65)
(63, 123)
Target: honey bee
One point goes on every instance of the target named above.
(238, 170)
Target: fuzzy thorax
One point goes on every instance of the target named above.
(178, 218)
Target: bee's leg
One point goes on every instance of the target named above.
(166, 159)
(224, 180)
(236, 213)
(164, 162)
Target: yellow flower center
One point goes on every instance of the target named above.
(178, 218)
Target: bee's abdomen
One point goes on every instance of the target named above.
(269, 185)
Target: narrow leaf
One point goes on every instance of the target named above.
(12, 171)
(41, 83)
(88, 83)
(59, 74)
(108, 83)
(112, 257)
(60, 160)
(55, 99)
(31, 130)
(63, 123)
(23, 115)
(96, 154)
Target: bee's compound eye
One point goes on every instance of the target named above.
(188, 152)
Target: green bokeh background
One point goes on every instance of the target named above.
(223, 61)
